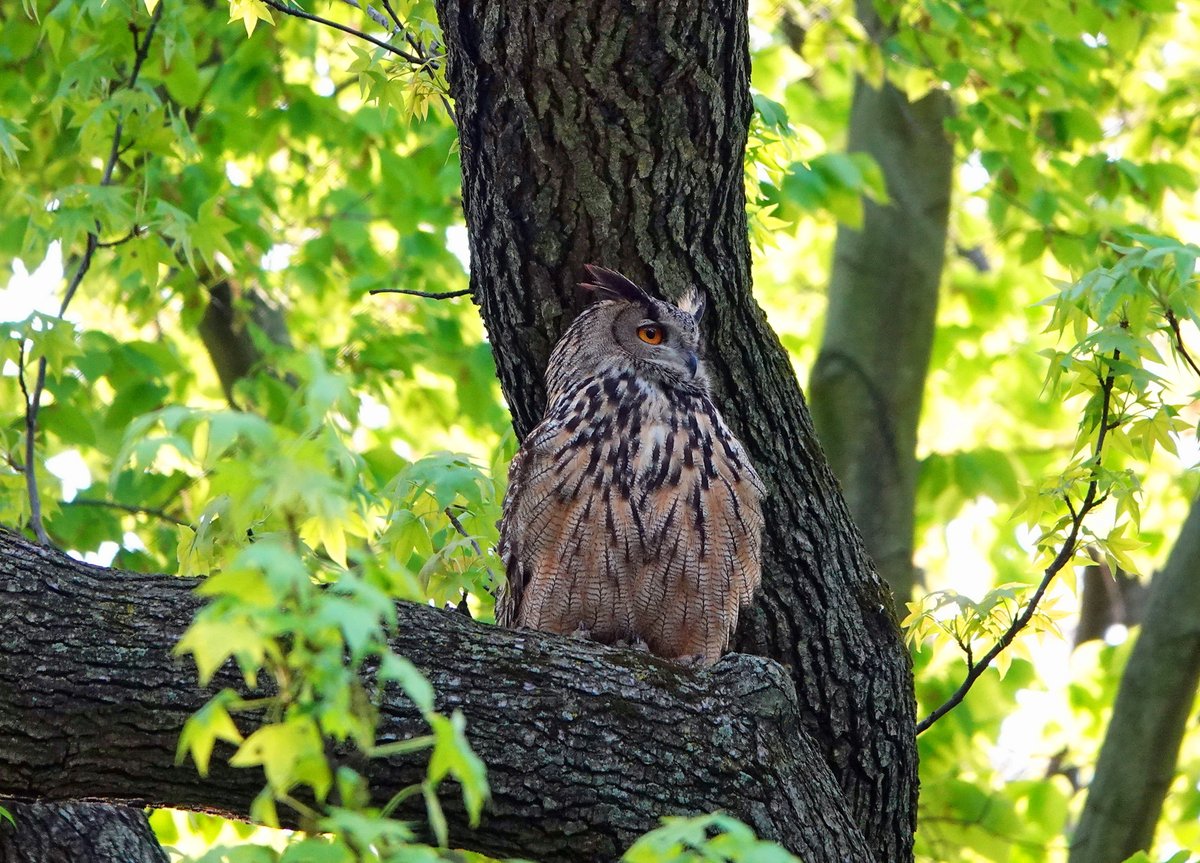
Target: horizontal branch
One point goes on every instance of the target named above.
(429, 295)
(586, 746)
(125, 507)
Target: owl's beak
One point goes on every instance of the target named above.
(693, 363)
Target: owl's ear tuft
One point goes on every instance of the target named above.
(607, 284)
(693, 303)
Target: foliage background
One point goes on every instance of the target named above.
(299, 169)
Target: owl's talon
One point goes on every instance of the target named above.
(637, 644)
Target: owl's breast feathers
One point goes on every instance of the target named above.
(632, 514)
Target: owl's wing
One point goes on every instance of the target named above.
(525, 507)
(508, 596)
(743, 518)
(567, 536)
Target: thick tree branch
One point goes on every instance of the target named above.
(77, 833)
(586, 746)
(225, 329)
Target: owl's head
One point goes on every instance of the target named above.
(628, 327)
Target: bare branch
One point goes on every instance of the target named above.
(379, 43)
(462, 604)
(376, 16)
(392, 13)
(134, 233)
(125, 507)
(463, 531)
(1065, 553)
(31, 411)
(1179, 347)
(445, 295)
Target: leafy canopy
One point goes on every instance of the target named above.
(212, 190)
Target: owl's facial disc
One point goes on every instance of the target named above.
(657, 335)
(662, 340)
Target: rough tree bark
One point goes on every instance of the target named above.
(1154, 702)
(586, 746)
(868, 382)
(613, 132)
(77, 832)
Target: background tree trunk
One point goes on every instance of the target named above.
(77, 833)
(613, 132)
(869, 379)
(1154, 702)
(586, 746)
(225, 330)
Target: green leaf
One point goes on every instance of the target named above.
(249, 12)
(211, 642)
(359, 625)
(412, 681)
(453, 756)
(206, 726)
(437, 818)
(291, 753)
(10, 144)
(317, 851)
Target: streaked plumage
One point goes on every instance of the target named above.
(632, 513)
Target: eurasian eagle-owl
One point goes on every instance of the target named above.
(632, 514)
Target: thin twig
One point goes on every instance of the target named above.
(462, 530)
(35, 501)
(308, 16)
(377, 16)
(33, 402)
(1174, 324)
(134, 233)
(1065, 553)
(462, 605)
(426, 58)
(445, 295)
(392, 12)
(124, 507)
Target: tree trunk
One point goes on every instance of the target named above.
(77, 833)
(869, 379)
(225, 330)
(586, 746)
(1155, 699)
(1107, 598)
(613, 132)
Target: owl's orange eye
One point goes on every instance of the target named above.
(650, 334)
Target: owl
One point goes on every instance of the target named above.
(633, 515)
